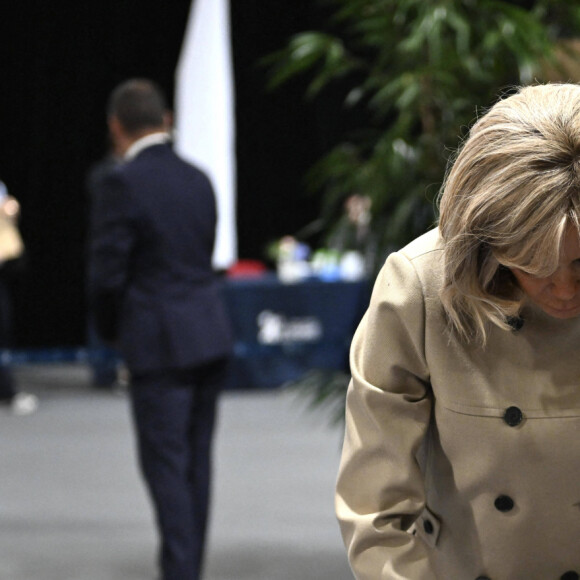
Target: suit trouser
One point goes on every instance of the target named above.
(174, 416)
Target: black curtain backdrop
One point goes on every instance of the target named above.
(61, 59)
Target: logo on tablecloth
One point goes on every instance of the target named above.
(276, 328)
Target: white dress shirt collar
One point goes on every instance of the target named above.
(144, 142)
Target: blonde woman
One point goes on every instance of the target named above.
(461, 457)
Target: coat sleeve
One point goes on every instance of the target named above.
(380, 489)
(112, 241)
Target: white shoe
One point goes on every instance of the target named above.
(24, 404)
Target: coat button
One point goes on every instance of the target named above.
(428, 526)
(513, 416)
(504, 503)
(571, 575)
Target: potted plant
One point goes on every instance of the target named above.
(414, 74)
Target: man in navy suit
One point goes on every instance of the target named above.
(155, 297)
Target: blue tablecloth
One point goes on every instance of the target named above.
(284, 330)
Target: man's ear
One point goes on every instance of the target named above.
(168, 121)
(115, 128)
(121, 141)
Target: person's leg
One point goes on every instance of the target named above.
(161, 416)
(103, 361)
(7, 390)
(208, 382)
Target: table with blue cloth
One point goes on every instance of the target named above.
(283, 331)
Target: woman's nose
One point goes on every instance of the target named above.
(565, 284)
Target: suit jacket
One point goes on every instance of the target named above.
(459, 462)
(153, 288)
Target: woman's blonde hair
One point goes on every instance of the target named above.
(506, 202)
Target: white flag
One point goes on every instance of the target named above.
(204, 113)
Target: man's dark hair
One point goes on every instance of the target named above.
(138, 104)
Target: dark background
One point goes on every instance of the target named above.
(59, 62)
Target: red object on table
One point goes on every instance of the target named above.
(247, 269)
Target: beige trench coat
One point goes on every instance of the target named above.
(459, 463)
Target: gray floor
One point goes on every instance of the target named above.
(72, 505)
